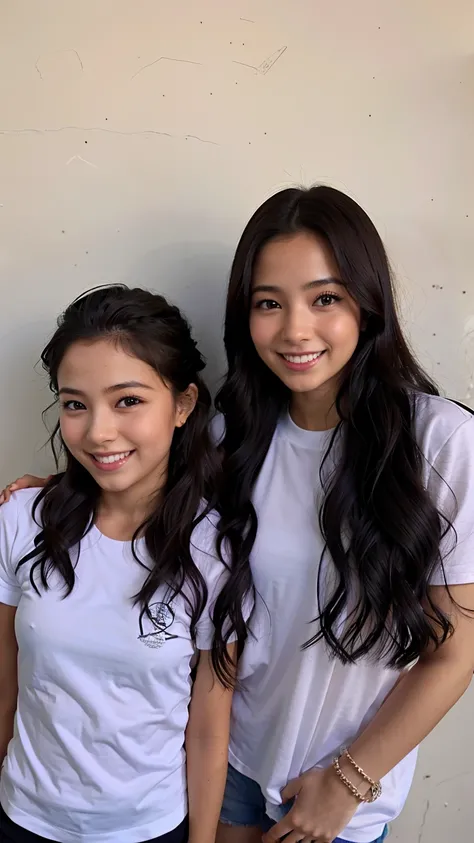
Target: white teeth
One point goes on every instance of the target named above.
(302, 358)
(113, 457)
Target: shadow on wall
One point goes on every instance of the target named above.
(194, 276)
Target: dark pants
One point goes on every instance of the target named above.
(10, 832)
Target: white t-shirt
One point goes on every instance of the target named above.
(97, 753)
(297, 708)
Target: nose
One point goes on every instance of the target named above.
(297, 325)
(101, 427)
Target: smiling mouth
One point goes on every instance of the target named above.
(301, 362)
(111, 462)
(302, 358)
(109, 458)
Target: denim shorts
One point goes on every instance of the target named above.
(10, 832)
(244, 804)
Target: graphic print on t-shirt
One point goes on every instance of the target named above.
(154, 625)
(102, 703)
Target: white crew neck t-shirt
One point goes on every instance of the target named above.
(297, 708)
(97, 753)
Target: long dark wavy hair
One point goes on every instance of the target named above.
(149, 328)
(380, 527)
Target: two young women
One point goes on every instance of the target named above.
(344, 518)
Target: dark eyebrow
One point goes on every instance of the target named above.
(68, 390)
(320, 282)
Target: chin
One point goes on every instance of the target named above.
(114, 484)
(302, 383)
(301, 390)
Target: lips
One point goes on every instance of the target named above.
(302, 362)
(111, 462)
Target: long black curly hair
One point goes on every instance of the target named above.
(380, 526)
(151, 329)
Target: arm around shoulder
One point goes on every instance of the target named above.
(27, 481)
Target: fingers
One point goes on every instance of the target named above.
(291, 790)
(296, 837)
(6, 493)
(299, 837)
(280, 830)
(28, 481)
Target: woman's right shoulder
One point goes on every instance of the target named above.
(17, 523)
(18, 531)
(217, 429)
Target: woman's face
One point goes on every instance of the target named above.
(118, 416)
(304, 324)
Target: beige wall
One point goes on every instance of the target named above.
(137, 138)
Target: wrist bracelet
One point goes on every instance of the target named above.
(375, 789)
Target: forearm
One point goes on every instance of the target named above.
(416, 705)
(7, 717)
(206, 777)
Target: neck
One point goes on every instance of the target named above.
(120, 514)
(314, 410)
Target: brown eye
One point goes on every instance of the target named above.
(73, 405)
(326, 299)
(267, 304)
(128, 401)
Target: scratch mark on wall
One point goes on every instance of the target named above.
(102, 129)
(164, 58)
(453, 778)
(201, 140)
(37, 63)
(243, 64)
(247, 20)
(20, 131)
(267, 63)
(80, 158)
(423, 822)
(79, 59)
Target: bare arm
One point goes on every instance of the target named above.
(207, 739)
(8, 676)
(425, 694)
(410, 712)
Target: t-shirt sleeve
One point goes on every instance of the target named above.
(205, 626)
(215, 573)
(451, 484)
(10, 590)
(217, 429)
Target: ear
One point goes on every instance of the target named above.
(185, 404)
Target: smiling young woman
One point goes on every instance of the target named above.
(350, 484)
(108, 576)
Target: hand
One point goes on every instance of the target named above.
(323, 807)
(28, 481)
